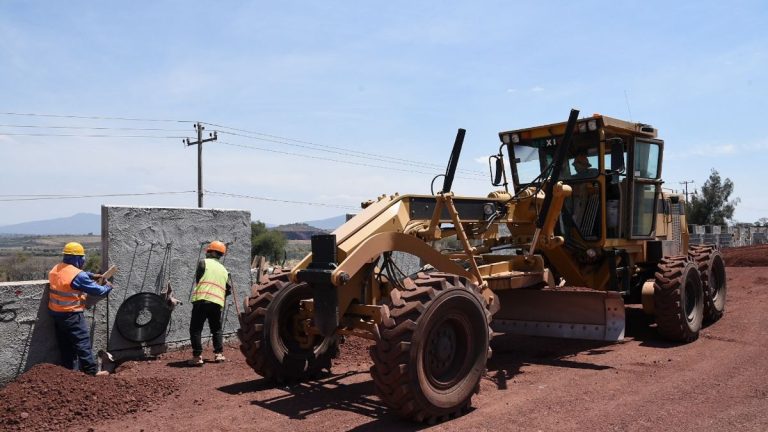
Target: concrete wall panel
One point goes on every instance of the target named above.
(26, 331)
(156, 246)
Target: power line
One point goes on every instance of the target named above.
(89, 135)
(73, 196)
(318, 204)
(43, 197)
(334, 149)
(95, 117)
(253, 135)
(337, 160)
(91, 128)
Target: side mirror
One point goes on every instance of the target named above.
(497, 170)
(617, 156)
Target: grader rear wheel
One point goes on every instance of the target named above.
(712, 268)
(272, 340)
(434, 344)
(679, 299)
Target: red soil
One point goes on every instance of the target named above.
(48, 398)
(747, 256)
(716, 383)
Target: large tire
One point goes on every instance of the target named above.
(433, 348)
(267, 333)
(679, 299)
(712, 268)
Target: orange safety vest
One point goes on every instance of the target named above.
(61, 296)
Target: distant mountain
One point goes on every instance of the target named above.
(299, 231)
(329, 224)
(85, 223)
(81, 223)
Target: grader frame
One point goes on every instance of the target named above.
(432, 329)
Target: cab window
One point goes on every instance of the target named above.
(646, 160)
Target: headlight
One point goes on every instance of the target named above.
(592, 125)
(489, 209)
(515, 138)
(505, 138)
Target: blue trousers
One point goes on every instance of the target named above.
(75, 342)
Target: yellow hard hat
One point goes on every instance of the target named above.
(217, 246)
(74, 248)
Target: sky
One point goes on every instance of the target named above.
(318, 106)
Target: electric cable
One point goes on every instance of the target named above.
(95, 117)
(4, 198)
(25, 126)
(335, 160)
(90, 135)
(345, 152)
(232, 195)
(318, 145)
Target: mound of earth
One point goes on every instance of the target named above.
(51, 398)
(747, 256)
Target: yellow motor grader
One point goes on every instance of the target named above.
(583, 230)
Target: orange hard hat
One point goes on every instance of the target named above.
(217, 246)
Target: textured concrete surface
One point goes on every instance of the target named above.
(155, 246)
(26, 331)
(151, 247)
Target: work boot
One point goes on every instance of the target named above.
(102, 373)
(195, 361)
(219, 357)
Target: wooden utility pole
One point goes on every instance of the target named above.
(199, 143)
(686, 182)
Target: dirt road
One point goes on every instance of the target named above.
(717, 383)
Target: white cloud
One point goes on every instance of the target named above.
(537, 89)
(717, 150)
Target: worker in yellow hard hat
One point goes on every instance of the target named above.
(68, 287)
(214, 284)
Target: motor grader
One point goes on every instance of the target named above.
(583, 230)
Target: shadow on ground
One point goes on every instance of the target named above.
(512, 352)
(302, 400)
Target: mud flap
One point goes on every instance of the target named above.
(577, 314)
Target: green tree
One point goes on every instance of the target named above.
(712, 205)
(93, 262)
(266, 242)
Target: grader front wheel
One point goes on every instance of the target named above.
(679, 299)
(433, 348)
(271, 337)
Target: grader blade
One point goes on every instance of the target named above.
(565, 313)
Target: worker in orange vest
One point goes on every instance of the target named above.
(68, 287)
(214, 284)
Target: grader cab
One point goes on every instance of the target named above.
(583, 230)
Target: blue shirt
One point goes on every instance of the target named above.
(83, 282)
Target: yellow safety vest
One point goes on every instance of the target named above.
(212, 286)
(61, 296)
